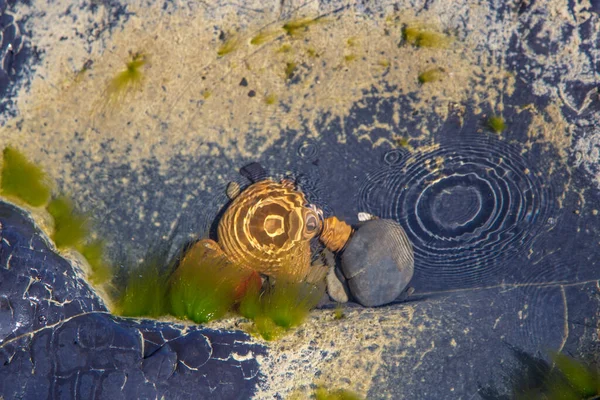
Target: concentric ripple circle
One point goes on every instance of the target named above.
(467, 208)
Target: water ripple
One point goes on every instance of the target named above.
(466, 207)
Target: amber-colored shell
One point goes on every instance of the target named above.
(268, 228)
(335, 234)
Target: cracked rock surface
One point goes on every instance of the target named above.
(57, 339)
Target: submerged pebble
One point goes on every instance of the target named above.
(335, 287)
(378, 262)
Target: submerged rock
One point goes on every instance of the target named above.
(378, 262)
(335, 287)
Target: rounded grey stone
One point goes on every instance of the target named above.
(378, 262)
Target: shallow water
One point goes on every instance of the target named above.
(504, 225)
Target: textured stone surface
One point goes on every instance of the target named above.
(57, 339)
(378, 262)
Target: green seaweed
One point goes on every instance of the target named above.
(581, 381)
(270, 99)
(290, 68)
(205, 285)
(401, 141)
(338, 313)
(322, 393)
(94, 254)
(419, 36)
(496, 123)
(432, 75)
(285, 48)
(128, 79)
(312, 52)
(70, 227)
(298, 26)
(23, 179)
(145, 294)
(229, 46)
(250, 306)
(267, 329)
(263, 37)
(287, 303)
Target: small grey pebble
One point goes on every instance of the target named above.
(251, 93)
(378, 262)
(335, 288)
(244, 82)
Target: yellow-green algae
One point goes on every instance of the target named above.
(70, 227)
(420, 36)
(229, 46)
(338, 394)
(432, 75)
(581, 382)
(290, 68)
(93, 252)
(204, 285)
(145, 293)
(29, 183)
(270, 99)
(298, 26)
(288, 303)
(128, 79)
(338, 313)
(279, 306)
(264, 37)
(496, 123)
(23, 179)
(250, 305)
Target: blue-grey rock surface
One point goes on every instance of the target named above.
(378, 262)
(58, 341)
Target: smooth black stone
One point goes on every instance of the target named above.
(378, 262)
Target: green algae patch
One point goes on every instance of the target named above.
(205, 285)
(270, 99)
(580, 381)
(267, 329)
(23, 179)
(297, 27)
(279, 306)
(127, 80)
(420, 36)
(339, 394)
(496, 124)
(432, 75)
(229, 46)
(287, 303)
(264, 37)
(290, 68)
(145, 292)
(250, 304)
(338, 313)
(70, 227)
(94, 254)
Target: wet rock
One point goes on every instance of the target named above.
(378, 262)
(57, 337)
(335, 287)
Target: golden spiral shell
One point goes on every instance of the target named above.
(268, 228)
